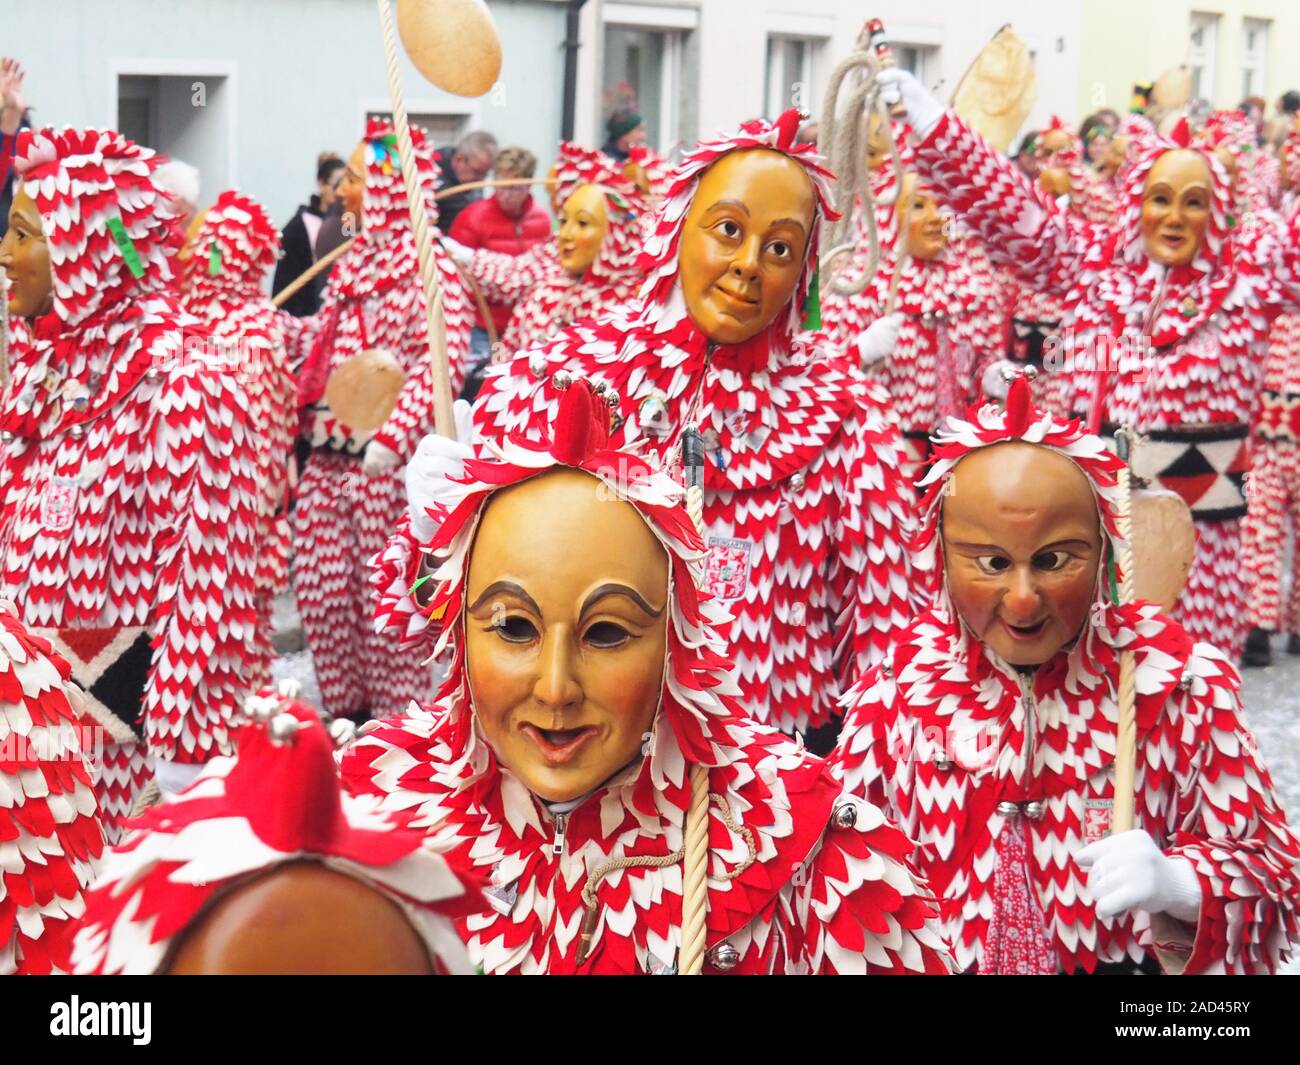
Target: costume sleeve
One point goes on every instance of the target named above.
(412, 417)
(1233, 832)
(504, 278)
(861, 760)
(1021, 228)
(870, 573)
(393, 575)
(203, 480)
(1271, 244)
(49, 821)
(864, 909)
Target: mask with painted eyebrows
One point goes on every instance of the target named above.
(1022, 544)
(743, 243)
(565, 632)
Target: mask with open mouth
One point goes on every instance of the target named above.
(1023, 508)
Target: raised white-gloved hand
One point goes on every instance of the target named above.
(1129, 872)
(174, 777)
(994, 382)
(436, 461)
(459, 253)
(379, 459)
(923, 110)
(879, 339)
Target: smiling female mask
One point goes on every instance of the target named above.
(565, 632)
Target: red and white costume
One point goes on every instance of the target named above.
(1002, 776)
(801, 879)
(128, 491)
(49, 828)
(343, 513)
(277, 802)
(1180, 349)
(950, 327)
(805, 507)
(559, 299)
(224, 287)
(1274, 486)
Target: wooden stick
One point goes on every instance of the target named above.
(287, 293)
(490, 183)
(435, 326)
(1126, 731)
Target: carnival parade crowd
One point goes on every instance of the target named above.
(766, 611)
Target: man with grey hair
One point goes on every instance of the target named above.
(470, 160)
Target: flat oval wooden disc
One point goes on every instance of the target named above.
(453, 43)
(363, 391)
(997, 92)
(1172, 89)
(1164, 545)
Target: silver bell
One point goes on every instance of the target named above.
(724, 957)
(562, 379)
(78, 431)
(1031, 372)
(798, 480)
(943, 764)
(599, 387)
(1034, 810)
(282, 729)
(845, 814)
(1185, 682)
(6, 436)
(1009, 809)
(154, 375)
(537, 365)
(612, 398)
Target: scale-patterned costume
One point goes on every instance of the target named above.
(805, 508)
(559, 299)
(276, 803)
(128, 491)
(951, 326)
(1186, 369)
(224, 287)
(1001, 777)
(801, 879)
(49, 826)
(342, 516)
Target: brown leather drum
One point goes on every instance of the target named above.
(1164, 544)
(363, 391)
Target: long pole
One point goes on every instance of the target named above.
(1126, 732)
(435, 326)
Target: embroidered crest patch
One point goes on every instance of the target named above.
(727, 574)
(1096, 819)
(59, 504)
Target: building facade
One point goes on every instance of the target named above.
(1234, 48)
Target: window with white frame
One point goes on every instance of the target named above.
(790, 72)
(1202, 53)
(920, 59)
(1254, 57)
(642, 69)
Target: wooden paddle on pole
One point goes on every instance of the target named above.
(423, 23)
(287, 293)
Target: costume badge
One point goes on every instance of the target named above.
(59, 504)
(1096, 819)
(727, 574)
(652, 415)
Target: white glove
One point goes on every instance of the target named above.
(175, 777)
(379, 459)
(901, 86)
(879, 339)
(459, 253)
(1129, 872)
(435, 462)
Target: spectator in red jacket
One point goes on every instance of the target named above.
(509, 221)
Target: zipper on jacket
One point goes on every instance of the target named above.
(561, 823)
